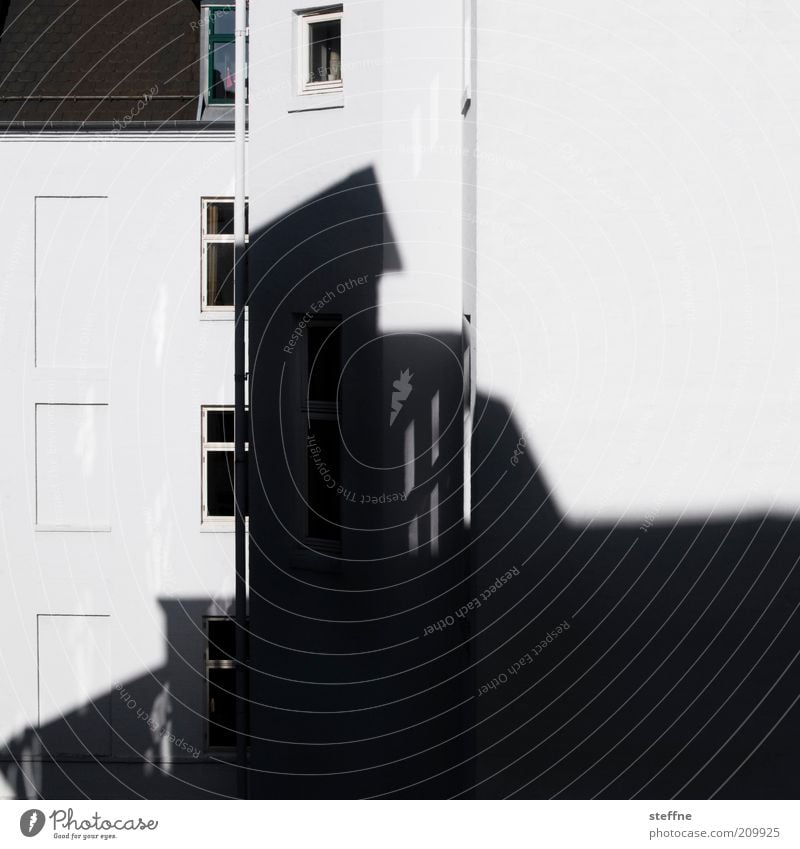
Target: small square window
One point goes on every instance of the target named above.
(218, 450)
(320, 50)
(217, 251)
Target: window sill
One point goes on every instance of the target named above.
(227, 314)
(72, 529)
(221, 526)
(220, 113)
(217, 315)
(314, 100)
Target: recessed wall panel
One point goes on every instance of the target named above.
(74, 682)
(71, 282)
(72, 466)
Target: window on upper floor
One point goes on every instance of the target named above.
(218, 494)
(217, 248)
(320, 50)
(220, 31)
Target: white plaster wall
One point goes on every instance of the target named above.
(164, 361)
(402, 83)
(639, 182)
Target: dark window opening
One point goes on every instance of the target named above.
(220, 665)
(325, 52)
(324, 463)
(321, 412)
(218, 463)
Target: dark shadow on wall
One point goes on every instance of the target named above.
(145, 738)
(676, 652)
(677, 674)
(355, 517)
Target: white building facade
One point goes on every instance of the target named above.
(634, 455)
(116, 353)
(110, 362)
(522, 312)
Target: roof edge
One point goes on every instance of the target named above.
(216, 127)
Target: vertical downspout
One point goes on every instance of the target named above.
(240, 423)
(469, 252)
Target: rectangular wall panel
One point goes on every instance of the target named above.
(74, 684)
(72, 282)
(72, 466)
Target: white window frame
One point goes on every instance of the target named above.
(305, 19)
(207, 446)
(206, 239)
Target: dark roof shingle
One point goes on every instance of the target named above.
(99, 60)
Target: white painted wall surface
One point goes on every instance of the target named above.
(401, 71)
(118, 436)
(639, 185)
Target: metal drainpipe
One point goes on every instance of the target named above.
(240, 368)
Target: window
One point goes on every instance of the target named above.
(221, 55)
(218, 253)
(221, 681)
(320, 50)
(218, 500)
(321, 411)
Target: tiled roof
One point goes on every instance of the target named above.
(99, 60)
